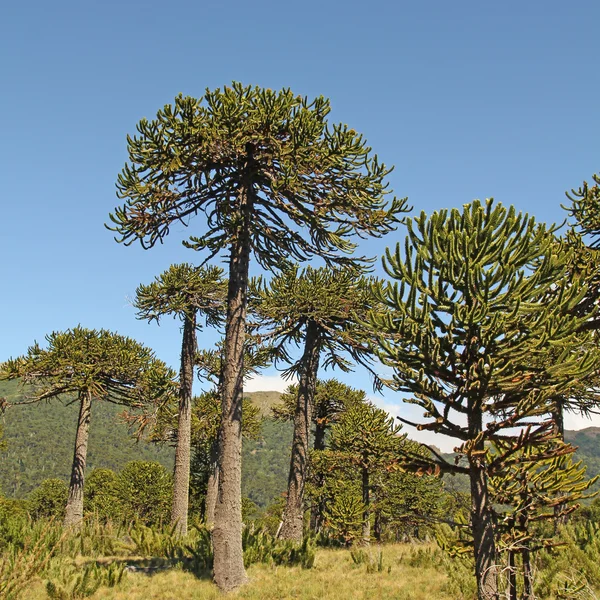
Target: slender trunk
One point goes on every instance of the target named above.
(527, 573)
(293, 515)
(212, 488)
(377, 526)
(512, 576)
(482, 523)
(525, 551)
(366, 524)
(74, 509)
(229, 572)
(181, 478)
(316, 510)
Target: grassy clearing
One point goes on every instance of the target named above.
(335, 575)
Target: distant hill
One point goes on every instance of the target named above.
(588, 449)
(40, 441)
(40, 445)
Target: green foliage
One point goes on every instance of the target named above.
(574, 564)
(181, 290)
(35, 452)
(13, 521)
(367, 436)
(75, 583)
(472, 307)
(303, 174)
(374, 563)
(21, 562)
(102, 495)
(343, 516)
(106, 365)
(49, 499)
(261, 547)
(332, 397)
(145, 492)
(334, 301)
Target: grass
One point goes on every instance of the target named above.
(335, 575)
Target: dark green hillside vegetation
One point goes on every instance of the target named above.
(40, 440)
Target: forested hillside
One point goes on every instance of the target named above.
(40, 446)
(40, 441)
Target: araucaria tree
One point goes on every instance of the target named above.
(473, 308)
(89, 365)
(196, 295)
(331, 399)
(321, 310)
(273, 181)
(367, 437)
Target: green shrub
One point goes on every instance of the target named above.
(49, 499)
(145, 492)
(101, 497)
(75, 583)
(261, 547)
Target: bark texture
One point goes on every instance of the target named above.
(482, 523)
(74, 508)
(212, 488)
(293, 515)
(229, 572)
(181, 477)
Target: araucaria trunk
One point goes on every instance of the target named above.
(181, 478)
(366, 524)
(212, 488)
(482, 523)
(74, 509)
(293, 515)
(229, 572)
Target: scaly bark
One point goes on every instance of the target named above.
(229, 572)
(482, 524)
(293, 515)
(74, 508)
(181, 478)
(212, 487)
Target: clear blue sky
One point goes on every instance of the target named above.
(467, 99)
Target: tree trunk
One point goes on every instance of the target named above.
(366, 524)
(212, 488)
(229, 572)
(527, 573)
(293, 515)
(482, 524)
(512, 576)
(74, 509)
(377, 526)
(181, 478)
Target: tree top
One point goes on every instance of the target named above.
(313, 185)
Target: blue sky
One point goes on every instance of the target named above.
(467, 100)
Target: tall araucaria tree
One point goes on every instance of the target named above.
(196, 296)
(323, 311)
(274, 181)
(470, 319)
(90, 365)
